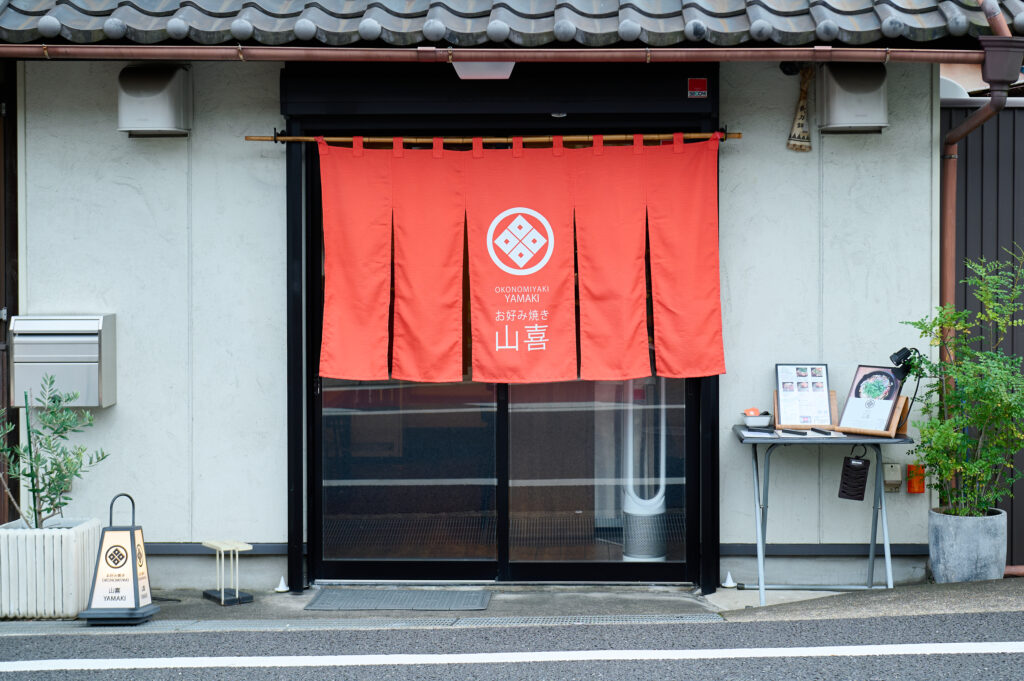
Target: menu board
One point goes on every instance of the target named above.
(803, 395)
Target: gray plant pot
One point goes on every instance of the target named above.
(964, 549)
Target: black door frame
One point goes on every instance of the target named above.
(320, 110)
(8, 246)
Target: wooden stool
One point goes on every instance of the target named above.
(218, 595)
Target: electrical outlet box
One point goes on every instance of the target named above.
(893, 476)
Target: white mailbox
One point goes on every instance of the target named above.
(77, 350)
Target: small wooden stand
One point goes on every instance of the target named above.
(832, 408)
(227, 550)
(897, 422)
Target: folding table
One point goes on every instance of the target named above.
(761, 501)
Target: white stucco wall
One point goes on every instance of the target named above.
(184, 239)
(823, 254)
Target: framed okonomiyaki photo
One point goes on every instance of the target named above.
(872, 401)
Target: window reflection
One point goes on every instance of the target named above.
(597, 471)
(408, 471)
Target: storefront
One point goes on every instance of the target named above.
(210, 250)
(529, 480)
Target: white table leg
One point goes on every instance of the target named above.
(757, 527)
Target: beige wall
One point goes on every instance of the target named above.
(183, 239)
(823, 254)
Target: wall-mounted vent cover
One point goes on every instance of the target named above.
(154, 101)
(853, 98)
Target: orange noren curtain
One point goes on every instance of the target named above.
(518, 207)
(519, 219)
(682, 218)
(429, 215)
(610, 244)
(356, 188)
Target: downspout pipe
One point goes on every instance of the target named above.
(1000, 69)
(1003, 56)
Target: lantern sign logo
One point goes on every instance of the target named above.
(116, 556)
(520, 241)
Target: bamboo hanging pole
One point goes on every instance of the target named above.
(528, 139)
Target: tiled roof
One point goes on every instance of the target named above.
(527, 23)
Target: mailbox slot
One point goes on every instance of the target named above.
(31, 348)
(77, 350)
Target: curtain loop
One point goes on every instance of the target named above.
(478, 147)
(397, 147)
(438, 147)
(324, 147)
(357, 145)
(598, 145)
(638, 144)
(517, 147)
(677, 142)
(556, 145)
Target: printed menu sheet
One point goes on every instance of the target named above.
(803, 394)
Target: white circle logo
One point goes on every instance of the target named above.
(525, 249)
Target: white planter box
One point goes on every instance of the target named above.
(47, 573)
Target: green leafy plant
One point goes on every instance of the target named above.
(47, 463)
(974, 400)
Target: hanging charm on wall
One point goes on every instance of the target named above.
(800, 134)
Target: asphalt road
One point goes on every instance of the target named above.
(815, 649)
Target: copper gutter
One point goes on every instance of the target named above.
(947, 220)
(1001, 67)
(463, 54)
(995, 104)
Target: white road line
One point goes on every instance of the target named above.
(986, 648)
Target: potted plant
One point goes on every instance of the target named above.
(974, 420)
(46, 559)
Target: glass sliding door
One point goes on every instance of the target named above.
(408, 472)
(597, 474)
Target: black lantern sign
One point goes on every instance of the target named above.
(120, 586)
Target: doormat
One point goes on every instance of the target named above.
(398, 599)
